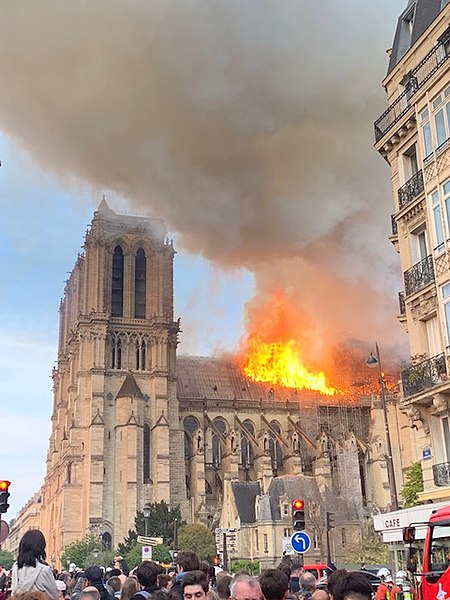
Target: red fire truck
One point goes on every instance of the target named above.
(434, 583)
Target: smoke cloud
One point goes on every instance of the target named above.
(246, 125)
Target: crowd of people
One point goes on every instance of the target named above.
(31, 578)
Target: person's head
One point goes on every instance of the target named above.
(33, 595)
(204, 566)
(31, 549)
(94, 574)
(113, 572)
(223, 581)
(147, 573)
(194, 585)
(187, 561)
(114, 583)
(296, 569)
(307, 582)
(344, 585)
(129, 588)
(274, 584)
(244, 587)
(320, 595)
(285, 567)
(90, 593)
(164, 581)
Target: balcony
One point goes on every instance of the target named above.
(419, 276)
(418, 77)
(425, 375)
(401, 303)
(394, 225)
(410, 190)
(441, 474)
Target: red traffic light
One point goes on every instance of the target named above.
(4, 485)
(298, 504)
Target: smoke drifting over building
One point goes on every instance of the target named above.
(246, 126)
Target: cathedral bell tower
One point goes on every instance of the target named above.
(116, 441)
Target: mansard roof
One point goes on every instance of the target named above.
(129, 388)
(245, 493)
(412, 24)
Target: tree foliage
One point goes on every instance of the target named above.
(90, 550)
(6, 559)
(413, 484)
(240, 564)
(159, 524)
(369, 549)
(199, 539)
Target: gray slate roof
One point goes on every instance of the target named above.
(129, 388)
(245, 493)
(425, 11)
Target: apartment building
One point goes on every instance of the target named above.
(413, 136)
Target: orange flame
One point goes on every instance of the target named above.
(280, 363)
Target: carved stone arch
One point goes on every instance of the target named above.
(122, 242)
(139, 243)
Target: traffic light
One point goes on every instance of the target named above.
(298, 515)
(4, 495)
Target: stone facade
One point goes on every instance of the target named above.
(413, 136)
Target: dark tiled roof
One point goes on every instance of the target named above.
(425, 11)
(245, 495)
(129, 388)
(293, 486)
(222, 378)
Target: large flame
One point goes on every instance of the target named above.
(280, 363)
(272, 351)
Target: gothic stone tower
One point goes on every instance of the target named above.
(116, 441)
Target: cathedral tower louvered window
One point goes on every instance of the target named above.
(146, 466)
(117, 283)
(140, 284)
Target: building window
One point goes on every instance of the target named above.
(446, 304)
(146, 469)
(410, 164)
(140, 276)
(446, 437)
(247, 454)
(343, 538)
(117, 283)
(426, 134)
(440, 208)
(419, 249)
(116, 354)
(287, 532)
(221, 426)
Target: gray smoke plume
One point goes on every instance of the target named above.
(245, 124)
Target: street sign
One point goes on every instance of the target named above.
(4, 531)
(288, 550)
(146, 553)
(300, 541)
(149, 541)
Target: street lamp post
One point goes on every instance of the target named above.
(146, 511)
(375, 361)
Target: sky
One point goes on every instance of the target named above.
(248, 127)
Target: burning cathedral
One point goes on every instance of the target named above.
(134, 423)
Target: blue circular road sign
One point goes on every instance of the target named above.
(301, 542)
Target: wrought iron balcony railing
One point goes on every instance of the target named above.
(418, 77)
(441, 474)
(401, 303)
(394, 225)
(424, 375)
(419, 275)
(410, 190)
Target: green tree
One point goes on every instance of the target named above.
(161, 553)
(413, 484)
(87, 551)
(199, 539)
(240, 564)
(369, 549)
(134, 555)
(6, 559)
(159, 524)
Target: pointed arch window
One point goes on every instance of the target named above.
(247, 453)
(146, 466)
(116, 354)
(117, 283)
(276, 452)
(140, 277)
(221, 426)
(191, 425)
